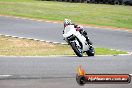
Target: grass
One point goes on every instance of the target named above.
(23, 47)
(93, 14)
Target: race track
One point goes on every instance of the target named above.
(58, 71)
(48, 31)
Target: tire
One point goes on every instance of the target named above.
(91, 1)
(90, 52)
(77, 52)
(116, 2)
(126, 3)
(123, 3)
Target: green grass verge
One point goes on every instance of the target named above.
(98, 14)
(23, 47)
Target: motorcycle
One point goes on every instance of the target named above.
(77, 41)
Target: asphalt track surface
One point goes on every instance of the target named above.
(115, 39)
(60, 72)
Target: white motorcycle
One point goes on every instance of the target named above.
(77, 41)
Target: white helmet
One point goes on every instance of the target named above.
(67, 22)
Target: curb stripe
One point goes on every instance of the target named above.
(31, 19)
(5, 75)
(32, 39)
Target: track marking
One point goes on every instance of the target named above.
(5, 75)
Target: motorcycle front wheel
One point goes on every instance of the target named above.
(76, 49)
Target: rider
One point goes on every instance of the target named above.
(78, 28)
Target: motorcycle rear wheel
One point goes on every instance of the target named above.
(90, 52)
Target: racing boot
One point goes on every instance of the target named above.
(89, 42)
(87, 38)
